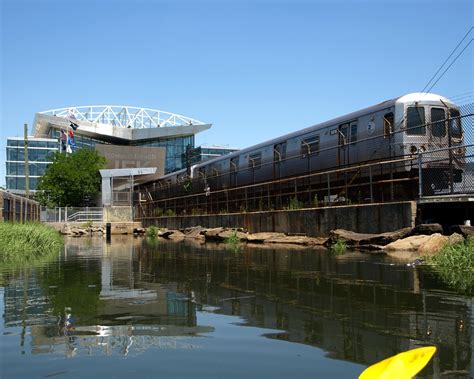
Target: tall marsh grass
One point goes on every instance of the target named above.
(26, 243)
(455, 265)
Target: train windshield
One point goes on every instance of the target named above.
(438, 122)
(416, 121)
(455, 124)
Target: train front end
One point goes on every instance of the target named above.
(431, 133)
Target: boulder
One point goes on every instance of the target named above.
(351, 238)
(213, 234)
(427, 229)
(176, 235)
(455, 238)
(196, 232)
(362, 239)
(263, 236)
(226, 234)
(388, 237)
(296, 240)
(465, 231)
(164, 233)
(434, 244)
(411, 243)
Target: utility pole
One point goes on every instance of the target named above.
(27, 168)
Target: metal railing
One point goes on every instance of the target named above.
(71, 214)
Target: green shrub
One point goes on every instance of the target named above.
(233, 242)
(152, 231)
(455, 265)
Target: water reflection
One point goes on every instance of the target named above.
(132, 295)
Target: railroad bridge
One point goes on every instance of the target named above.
(368, 197)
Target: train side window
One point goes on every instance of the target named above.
(201, 172)
(455, 124)
(353, 132)
(438, 128)
(234, 164)
(255, 161)
(279, 152)
(310, 146)
(416, 121)
(388, 120)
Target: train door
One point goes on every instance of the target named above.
(234, 170)
(347, 151)
(343, 145)
(279, 156)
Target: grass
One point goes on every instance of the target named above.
(339, 247)
(455, 265)
(23, 244)
(233, 242)
(152, 231)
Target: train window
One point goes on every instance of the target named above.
(388, 120)
(438, 128)
(234, 164)
(455, 124)
(255, 161)
(201, 172)
(416, 121)
(353, 133)
(279, 152)
(310, 146)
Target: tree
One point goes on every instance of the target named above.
(71, 179)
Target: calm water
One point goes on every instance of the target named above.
(171, 310)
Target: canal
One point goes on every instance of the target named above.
(144, 308)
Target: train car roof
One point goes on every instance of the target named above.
(405, 99)
(408, 98)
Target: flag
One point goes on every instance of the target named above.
(71, 134)
(73, 125)
(63, 136)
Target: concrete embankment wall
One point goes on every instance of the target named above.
(367, 218)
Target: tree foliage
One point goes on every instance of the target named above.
(71, 179)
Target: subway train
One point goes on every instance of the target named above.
(393, 131)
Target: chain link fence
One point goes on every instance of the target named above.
(450, 171)
(431, 153)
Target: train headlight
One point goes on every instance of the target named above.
(422, 149)
(413, 149)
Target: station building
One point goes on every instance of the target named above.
(127, 136)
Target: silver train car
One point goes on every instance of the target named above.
(396, 128)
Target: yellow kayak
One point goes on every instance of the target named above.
(401, 366)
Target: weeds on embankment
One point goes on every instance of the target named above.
(339, 247)
(152, 231)
(455, 265)
(233, 242)
(27, 243)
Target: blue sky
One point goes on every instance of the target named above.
(254, 69)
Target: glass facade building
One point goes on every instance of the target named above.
(204, 153)
(40, 151)
(73, 128)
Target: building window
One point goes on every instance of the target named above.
(310, 146)
(255, 161)
(416, 121)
